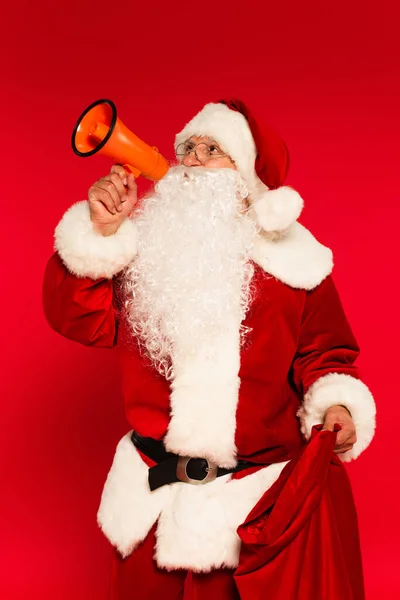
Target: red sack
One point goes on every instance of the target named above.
(301, 541)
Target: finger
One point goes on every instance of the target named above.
(329, 424)
(347, 442)
(343, 437)
(117, 181)
(108, 186)
(343, 449)
(115, 187)
(132, 189)
(96, 195)
(120, 171)
(104, 197)
(132, 185)
(347, 435)
(127, 208)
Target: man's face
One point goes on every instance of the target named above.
(211, 159)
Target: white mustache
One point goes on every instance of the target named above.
(201, 176)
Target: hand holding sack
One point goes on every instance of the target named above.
(301, 541)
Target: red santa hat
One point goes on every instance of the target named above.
(260, 155)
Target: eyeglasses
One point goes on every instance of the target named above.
(202, 151)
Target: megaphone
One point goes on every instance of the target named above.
(99, 131)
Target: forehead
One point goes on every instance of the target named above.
(198, 139)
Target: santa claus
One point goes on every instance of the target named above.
(233, 344)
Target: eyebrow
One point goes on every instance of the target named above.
(209, 139)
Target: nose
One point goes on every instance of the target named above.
(191, 160)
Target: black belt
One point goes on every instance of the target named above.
(171, 468)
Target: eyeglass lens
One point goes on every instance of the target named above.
(202, 151)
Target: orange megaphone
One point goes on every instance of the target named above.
(98, 130)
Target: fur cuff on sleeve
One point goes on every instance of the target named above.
(87, 253)
(342, 389)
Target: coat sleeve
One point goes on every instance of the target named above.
(79, 308)
(79, 297)
(323, 370)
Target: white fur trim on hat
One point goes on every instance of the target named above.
(232, 132)
(276, 210)
(340, 389)
(87, 253)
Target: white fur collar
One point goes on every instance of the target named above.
(204, 396)
(296, 258)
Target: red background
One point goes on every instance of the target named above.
(325, 75)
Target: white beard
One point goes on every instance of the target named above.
(190, 282)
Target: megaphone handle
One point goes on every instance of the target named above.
(135, 172)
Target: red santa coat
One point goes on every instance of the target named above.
(297, 362)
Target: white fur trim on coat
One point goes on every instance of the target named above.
(197, 530)
(296, 259)
(340, 389)
(197, 525)
(87, 253)
(204, 397)
(128, 508)
(203, 420)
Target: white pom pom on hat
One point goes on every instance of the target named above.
(260, 155)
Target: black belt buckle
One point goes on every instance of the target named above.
(182, 475)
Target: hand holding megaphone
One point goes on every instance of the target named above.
(112, 199)
(99, 131)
